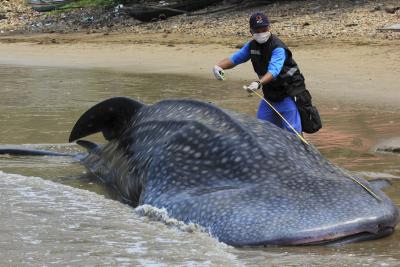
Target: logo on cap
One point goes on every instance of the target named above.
(259, 19)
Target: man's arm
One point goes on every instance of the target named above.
(237, 58)
(226, 64)
(275, 65)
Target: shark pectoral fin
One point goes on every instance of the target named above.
(109, 117)
(380, 183)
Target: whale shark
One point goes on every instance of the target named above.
(246, 181)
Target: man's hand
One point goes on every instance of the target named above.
(254, 86)
(219, 73)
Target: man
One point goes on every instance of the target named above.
(279, 76)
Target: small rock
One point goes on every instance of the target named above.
(351, 25)
(305, 24)
(391, 9)
(376, 8)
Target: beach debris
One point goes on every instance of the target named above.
(391, 146)
(377, 8)
(46, 5)
(162, 10)
(117, 8)
(393, 27)
(88, 19)
(351, 24)
(389, 149)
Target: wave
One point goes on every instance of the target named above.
(161, 215)
(47, 222)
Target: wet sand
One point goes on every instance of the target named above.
(338, 72)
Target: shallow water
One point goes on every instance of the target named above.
(53, 213)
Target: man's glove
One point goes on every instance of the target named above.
(219, 73)
(254, 86)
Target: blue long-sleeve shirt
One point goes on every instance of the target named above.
(275, 65)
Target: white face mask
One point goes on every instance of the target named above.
(262, 37)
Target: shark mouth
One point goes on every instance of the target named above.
(346, 238)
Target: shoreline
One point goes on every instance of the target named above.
(356, 74)
(172, 39)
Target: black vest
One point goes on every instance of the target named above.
(289, 82)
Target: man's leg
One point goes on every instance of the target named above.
(267, 114)
(289, 111)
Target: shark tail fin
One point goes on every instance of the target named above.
(31, 152)
(109, 117)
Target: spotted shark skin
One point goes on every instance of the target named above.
(247, 181)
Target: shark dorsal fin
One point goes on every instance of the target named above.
(109, 117)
